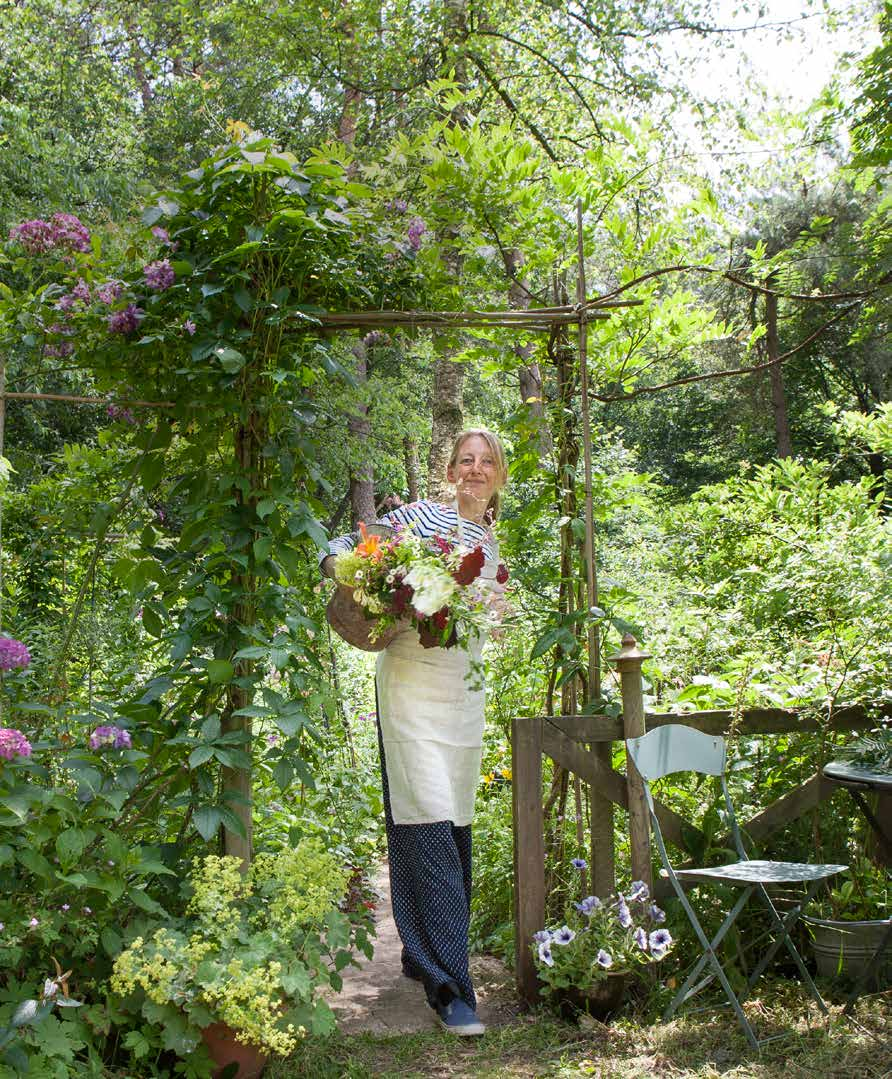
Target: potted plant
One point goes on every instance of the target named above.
(850, 922)
(586, 960)
(241, 969)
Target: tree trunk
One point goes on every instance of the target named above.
(413, 468)
(447, 414)
(778, 394)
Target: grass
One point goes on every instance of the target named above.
(538, 1046)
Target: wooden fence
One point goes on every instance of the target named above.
(569, 741)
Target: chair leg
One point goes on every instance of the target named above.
(709, 956)
(783, 926)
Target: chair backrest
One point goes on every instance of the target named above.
(677, 748)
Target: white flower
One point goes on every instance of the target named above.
(432, 588)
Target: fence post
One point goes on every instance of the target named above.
(529, 848)
(628, 662)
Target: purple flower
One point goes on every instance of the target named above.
(125, 321)
(579, 863)
(161, 234)
(639, 893)
(36, 236)
(563, 935)
(159, 275)
(81, 291)
(660, 938)
(122, 414)
(34, 923)
(189, 327)
(272, 739)
(604, 959)
(623, 915)
(65, 907)
(542, 936)
(545, 955)
(414, 232)
(13, 744)
(109, 292)
(66, 302)
(656, 914)
(589, 904)
(110, 736)
(641, 938)
(60, 350)
(376, 337)
(13, 654)
(398, 206)
(70, 232)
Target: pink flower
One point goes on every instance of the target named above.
(34, 923)
(71, 232)
(110, 736)
(161, 234)
(415, 231)
(13, 654)
(13, 744)
(81, 291)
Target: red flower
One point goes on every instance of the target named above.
(502, 573)
(401, 597)
(470, 567)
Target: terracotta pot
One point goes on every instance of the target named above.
(599, 1001)
(225, 1051)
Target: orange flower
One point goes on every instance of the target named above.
(370, 546)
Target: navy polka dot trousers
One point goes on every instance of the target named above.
(430, 889)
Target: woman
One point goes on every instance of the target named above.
(430, 732)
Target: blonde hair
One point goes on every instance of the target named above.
(498, 452)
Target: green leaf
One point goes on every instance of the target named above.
(70, 845)
(200, 755)
(210, 728)
(207, 821)
(231, 360)
(151, 622)
(220, 671)
(111, 942)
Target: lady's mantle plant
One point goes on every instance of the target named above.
(252, 951)
(599, 937)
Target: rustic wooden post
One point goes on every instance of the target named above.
(529, 848)
(628, 662)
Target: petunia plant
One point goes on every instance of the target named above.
(596, 938)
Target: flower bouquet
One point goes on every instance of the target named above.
(586, 961)
(396, 577)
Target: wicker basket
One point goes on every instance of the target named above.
(347, 618)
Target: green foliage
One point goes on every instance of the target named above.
(252, 951)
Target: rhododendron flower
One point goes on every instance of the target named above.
(13, 654)
(13, 744)
(110, 736)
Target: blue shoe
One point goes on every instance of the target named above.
(457, 1017)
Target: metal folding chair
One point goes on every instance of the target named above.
(676, 748)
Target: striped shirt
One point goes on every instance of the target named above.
(426, 519)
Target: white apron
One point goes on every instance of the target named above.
(431, 726)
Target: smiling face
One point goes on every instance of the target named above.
(477, 476)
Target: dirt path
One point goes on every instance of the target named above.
(377, 998)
